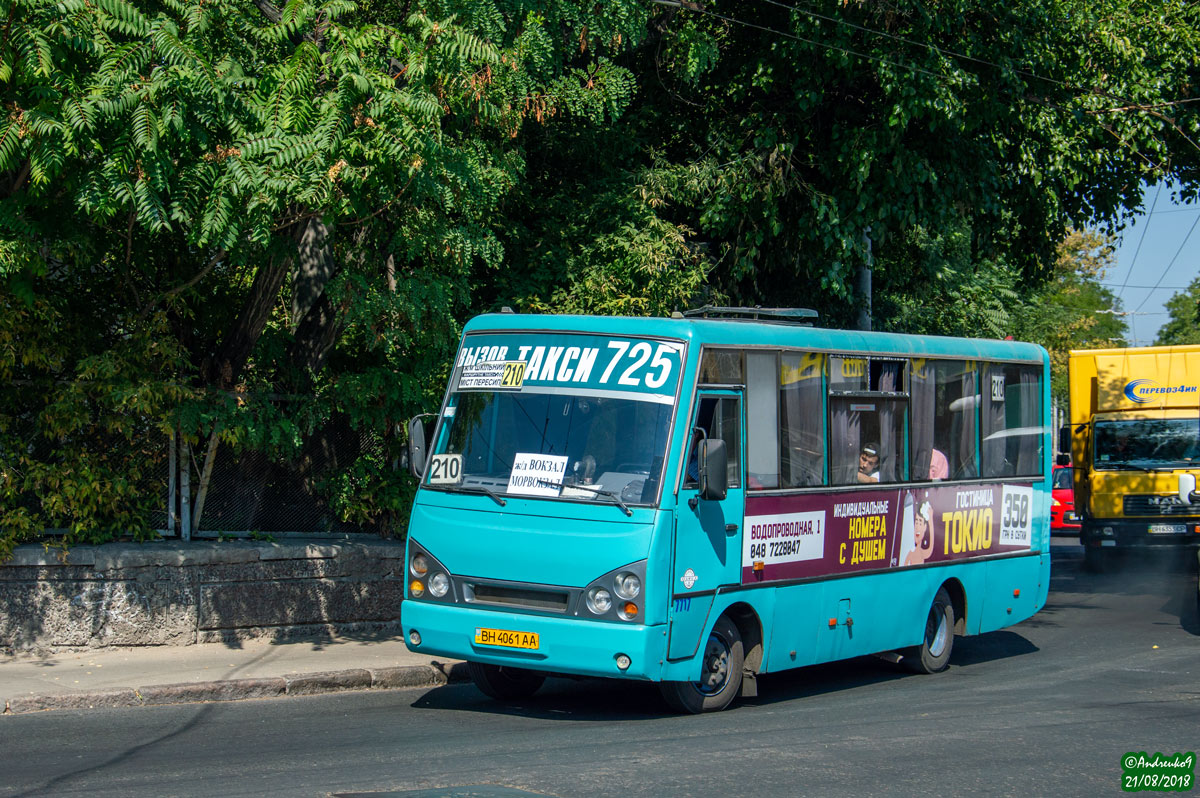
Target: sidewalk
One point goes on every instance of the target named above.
(152, 675)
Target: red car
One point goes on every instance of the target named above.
(1063, 518)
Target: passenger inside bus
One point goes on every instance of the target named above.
(868, 463)
(939, 466)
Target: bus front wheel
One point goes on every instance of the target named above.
(933, 655)
(721, 674)
(505, 683)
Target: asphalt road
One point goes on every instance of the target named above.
(1111, 665)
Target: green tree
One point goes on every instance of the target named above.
(217, 202)
(208, 207)
(785, 140)
(1183, 326)
(1073, 310)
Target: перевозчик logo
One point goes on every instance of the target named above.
(1146, 391)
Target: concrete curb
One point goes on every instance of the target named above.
(296, 684)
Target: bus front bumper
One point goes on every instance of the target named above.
(1129, 533)
(565, 645)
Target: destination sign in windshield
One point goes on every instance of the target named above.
(591, 364)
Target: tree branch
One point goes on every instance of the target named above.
(22, 176)
(220, 254)
(1143, 107)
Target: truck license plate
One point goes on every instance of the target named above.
(1167, 529)
(506, 638)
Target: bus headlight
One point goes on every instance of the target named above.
(599, 601)
(428, 579)
(614, 596)
(627, 585)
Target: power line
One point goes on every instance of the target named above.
(1080, 92)
(697, 9)
(1149, 216)
(1152, 287)
(1162, 276)
(947, 52)
(927, 45)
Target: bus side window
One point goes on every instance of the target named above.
(1012, 422)
(942, 442)
(719, 417)
(762, 420)
(802, 419)
(868, 407)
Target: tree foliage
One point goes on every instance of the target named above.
(1183, 324)
(268, 223)
(956, 144)
(1073, 310)
(213, 203)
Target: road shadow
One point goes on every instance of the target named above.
(588, 699)
(1164, 577)
(565, 699)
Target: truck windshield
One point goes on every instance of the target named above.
(1147, 444)
(577, 446)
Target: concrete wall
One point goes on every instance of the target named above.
(176, 594)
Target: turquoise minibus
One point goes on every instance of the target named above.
(698, 500)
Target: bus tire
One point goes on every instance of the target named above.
(724, 659)
(933, 655)
(505, 683)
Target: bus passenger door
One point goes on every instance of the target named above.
(708, 533)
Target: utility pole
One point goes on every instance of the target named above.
(863, 285)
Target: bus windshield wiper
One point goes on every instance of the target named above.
(484, 490)
(608, 494)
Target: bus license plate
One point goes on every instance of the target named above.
(1167, 529)
(506, 638)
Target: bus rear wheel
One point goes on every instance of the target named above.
(933, 655)
(505, 683)
(721, 675)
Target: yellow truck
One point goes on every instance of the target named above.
(1134, 440)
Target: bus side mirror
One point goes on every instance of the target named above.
(713, 464)
(1187, 486)
(418, 434)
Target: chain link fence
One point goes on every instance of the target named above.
(250, 492)
(207, 490)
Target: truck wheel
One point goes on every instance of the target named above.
(933, 655)
(505, 683)
(721, 674)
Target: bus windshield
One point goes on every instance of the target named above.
(579, 446)
(1147, 444)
